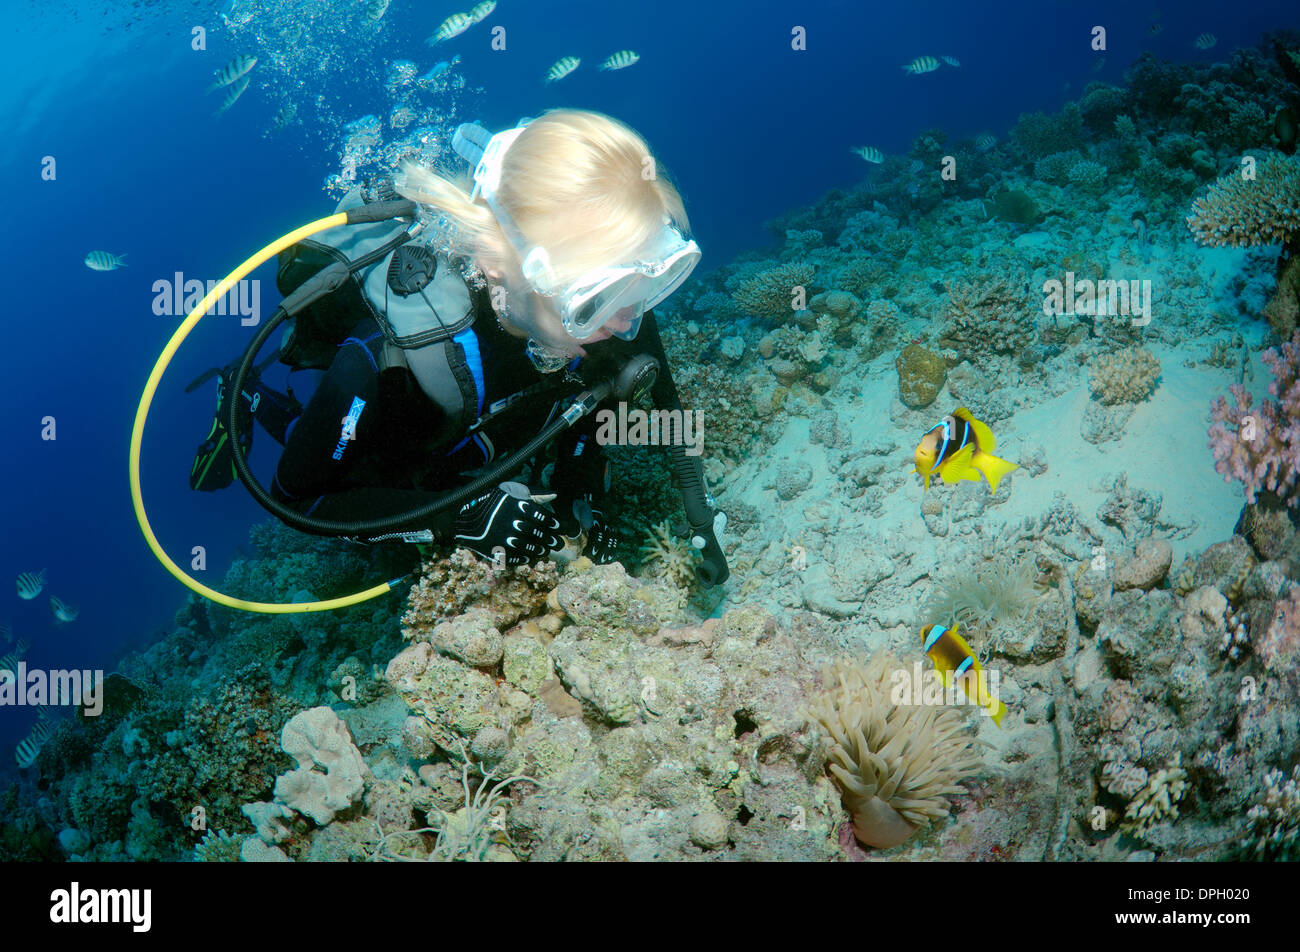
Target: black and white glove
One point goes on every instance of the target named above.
(601, 540)
(508, 526)
(577, 516)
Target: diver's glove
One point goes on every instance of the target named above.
(601, 540)
(576, 516)
(507, 525)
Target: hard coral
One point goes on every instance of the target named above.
(1241, 212)
(1275, 820)
(989, 318)
(673, 557)
(771, 293)
(1158, 801)
(1263, 448)
(895, 763)
(1129, 376)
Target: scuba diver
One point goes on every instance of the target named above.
(464, 334)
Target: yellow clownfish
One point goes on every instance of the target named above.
(961, 447)
(957, 664)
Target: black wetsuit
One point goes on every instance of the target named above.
(400, 454)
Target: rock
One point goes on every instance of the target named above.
(792, 479)
(1202, 623)
(470, 638)
(921, 375)
(1103, 424)
(1226, 566)
(709, 830)
(525, 663)
(1131, 632)
(73, 841)
(1147, 568)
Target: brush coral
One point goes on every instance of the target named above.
(1262, 449)
(895, 763)
(1241, 212)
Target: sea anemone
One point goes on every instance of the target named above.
(986, 596)
(894, 763)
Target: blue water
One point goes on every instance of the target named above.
(747, 127)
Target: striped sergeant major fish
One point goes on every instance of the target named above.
(453, 26)
(100, 261)
(950, 60)
(29, 584)
(10, 661)
(31, 745)
(869, 153)
(1205, 41)
(235, 92)
(482, 10)
(63, 612)
(237, 67)
(960, 447)
(956, 663)
(922, 64)
(620, 60)
(561, 68)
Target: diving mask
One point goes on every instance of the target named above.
(621, 293)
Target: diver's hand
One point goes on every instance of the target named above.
(601, 540)
(507, 525)
(576, 517)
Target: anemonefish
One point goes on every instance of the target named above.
(956, 664)
(961, 447)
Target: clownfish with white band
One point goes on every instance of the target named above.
(956, 663)
(960, 447)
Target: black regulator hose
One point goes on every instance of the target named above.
(700, 513)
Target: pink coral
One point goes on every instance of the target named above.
(1262, 449)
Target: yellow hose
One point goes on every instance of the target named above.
(142, 413)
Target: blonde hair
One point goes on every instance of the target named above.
(583, 185)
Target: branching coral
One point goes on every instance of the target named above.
(895, 763)
(771, 293)
(1241, 212)
(1275, 820)
(1129, 376)
(1158, 801)
(674, 557)
(1262, 449)
(218, 846)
